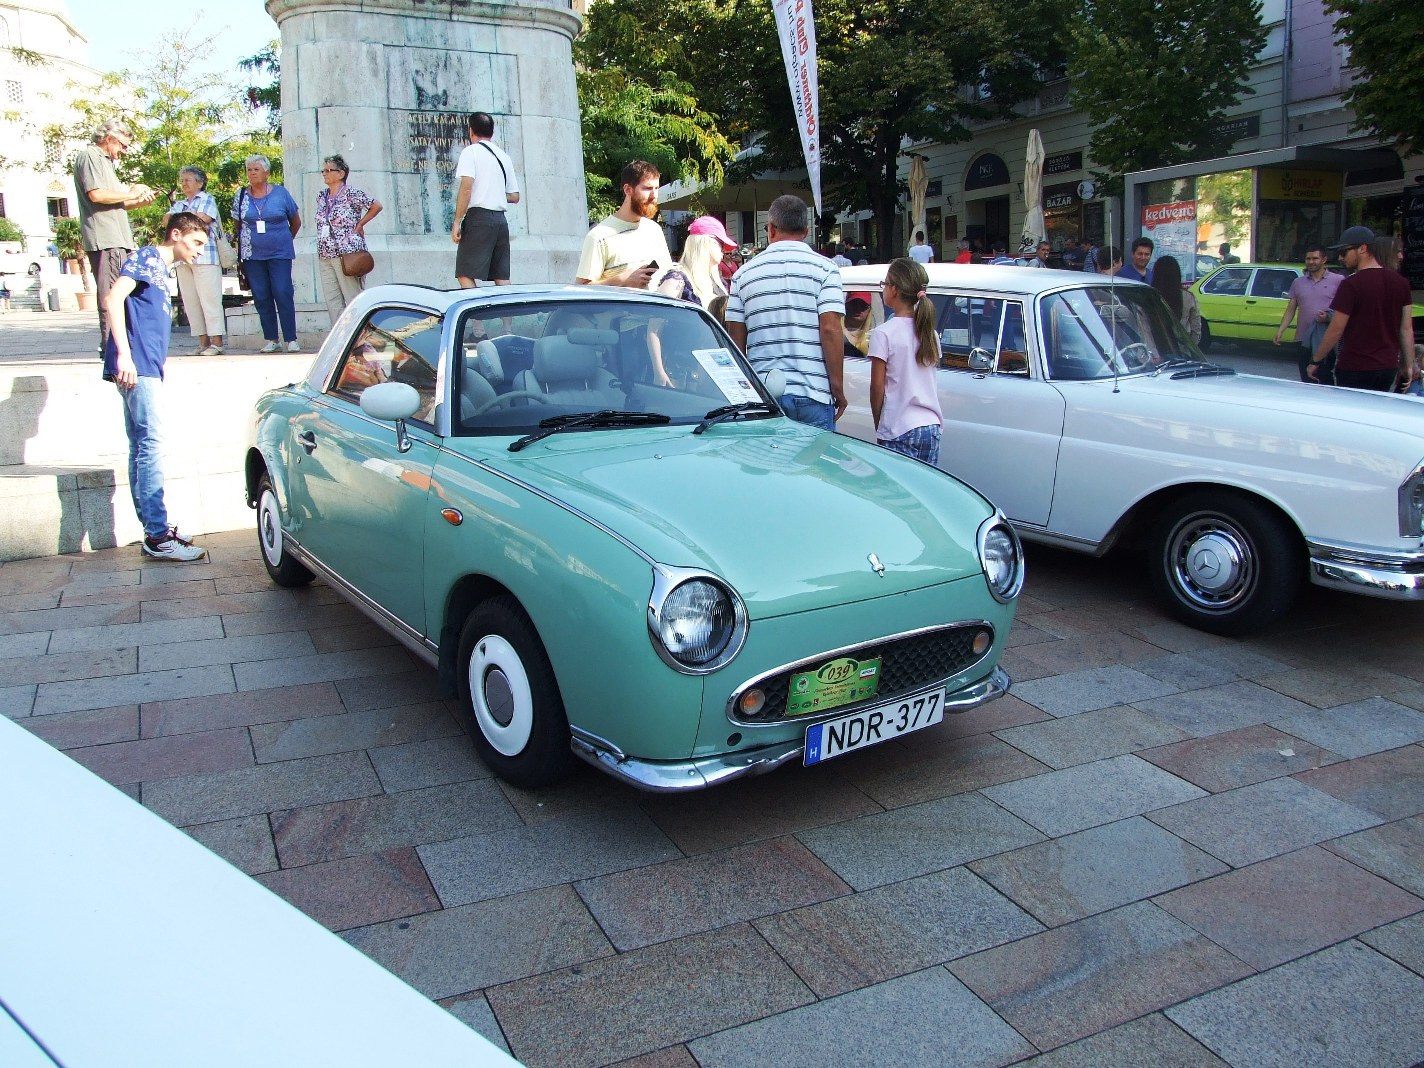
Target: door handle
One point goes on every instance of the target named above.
(308, 441)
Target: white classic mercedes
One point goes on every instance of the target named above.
(1078, 405)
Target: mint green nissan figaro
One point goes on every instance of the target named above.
(586, 512)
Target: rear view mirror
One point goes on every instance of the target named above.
(981, 359)
(775, 383)
(390, 401)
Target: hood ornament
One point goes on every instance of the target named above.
(876, 565)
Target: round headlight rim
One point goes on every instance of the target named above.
(995, 524)
(666, 581)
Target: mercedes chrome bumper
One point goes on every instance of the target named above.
(679, 775)
(1395, 576)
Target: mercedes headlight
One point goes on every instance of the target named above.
(1002, 558)
(696, 622)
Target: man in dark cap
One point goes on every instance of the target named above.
(1371, 321)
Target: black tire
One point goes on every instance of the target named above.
(1205, 342)
(1225, 563)
(284, 569)
(507, 686)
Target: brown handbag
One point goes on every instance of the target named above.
(357, 264)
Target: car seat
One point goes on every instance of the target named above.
(570, 373)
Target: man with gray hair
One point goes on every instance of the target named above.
(784, 310)
(104, 202)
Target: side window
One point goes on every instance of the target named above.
(1272, 282)
(996, 326)
(1228, 282)
(395, 345)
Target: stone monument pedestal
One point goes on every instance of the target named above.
(388, 84)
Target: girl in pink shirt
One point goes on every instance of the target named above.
(904, 354)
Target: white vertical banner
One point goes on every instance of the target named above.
(796, 26)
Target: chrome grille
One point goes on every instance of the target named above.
(907, 664)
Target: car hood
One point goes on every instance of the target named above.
(788, 515)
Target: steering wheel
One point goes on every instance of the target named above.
(1146, 354)
(505, 398)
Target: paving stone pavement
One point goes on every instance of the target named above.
(1161, 848)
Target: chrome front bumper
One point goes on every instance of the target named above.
(675, 776)
(1394, 576)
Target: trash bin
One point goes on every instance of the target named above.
(54, 300)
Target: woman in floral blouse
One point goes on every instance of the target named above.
(342, 212)
(200, 282)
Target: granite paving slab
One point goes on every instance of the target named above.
(483, 866)
(459, 950)
(434, 762)
(669, 1057)
(1147, 1042)
(145, 686)
(660, 902)
(852, 942)
(1401, 941)
(314, 618)
(1007, 711)
(151, 759)
(1188, 671)
(939, 1022)
(1339, 1008)
(209, 712)
(1095, 870)
(362, 635)
(1084, 691)
(613, 1008)
(84, 664)
(1218, 709)
(474, 1012)
(1089, 736)
(1096, 973)
(1221, 762)
(133, 633)
(264, 788)
(58, 620)
(357, 891)
(905, 772)
(886, 847)
(384, 821)
(1394, 851)
(1390, 784)
(322, 667)
(25, 644)
(1326, 688)
(1091, 650)
(407, 686)
(17, 702)
(343, 732)
(586, 793)
(1262, 820)
(263, 647)
(245, 843)
(1288, 906)
(1356, 729)
(1087, 795)
(94, 726)
(173, 591)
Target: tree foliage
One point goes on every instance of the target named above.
(1386, 42)
(1157, 76)
(888, 71)
(266, 66)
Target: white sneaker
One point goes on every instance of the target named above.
(294, 346)
(173, 548)
(271, 346)
(211, 350)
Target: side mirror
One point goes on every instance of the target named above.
(981, 359)
(390, 401)
(775, 382)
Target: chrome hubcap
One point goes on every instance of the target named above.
(1211, 562)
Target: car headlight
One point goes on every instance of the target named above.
(1002, 557)
(697, 624)
(1411, 504)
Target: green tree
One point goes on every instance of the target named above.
(888, 71)
(265, 66)
(1386, 42)
(1157, 76)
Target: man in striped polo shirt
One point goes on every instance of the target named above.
(785, 311)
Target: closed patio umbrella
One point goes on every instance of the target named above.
(1033, 228)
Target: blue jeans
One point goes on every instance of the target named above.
(145, 431)
(808, 411)
(274, 295)
(922, 443)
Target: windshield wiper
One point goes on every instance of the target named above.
(608, 417)
(735, 411)
(1175, 363)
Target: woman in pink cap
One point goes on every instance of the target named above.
(694, 277)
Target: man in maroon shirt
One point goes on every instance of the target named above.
(1371, 321)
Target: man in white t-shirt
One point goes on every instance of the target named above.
(626, 248)
(487, 184)
(920, 252)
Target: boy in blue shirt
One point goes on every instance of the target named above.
(140, 313)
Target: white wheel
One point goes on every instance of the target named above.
(500, 696)
(281, 566)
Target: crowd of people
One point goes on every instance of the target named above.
(785, 307)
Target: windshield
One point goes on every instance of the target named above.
(1102, 330)
(520, 367)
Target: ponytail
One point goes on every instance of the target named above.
(911, 280)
